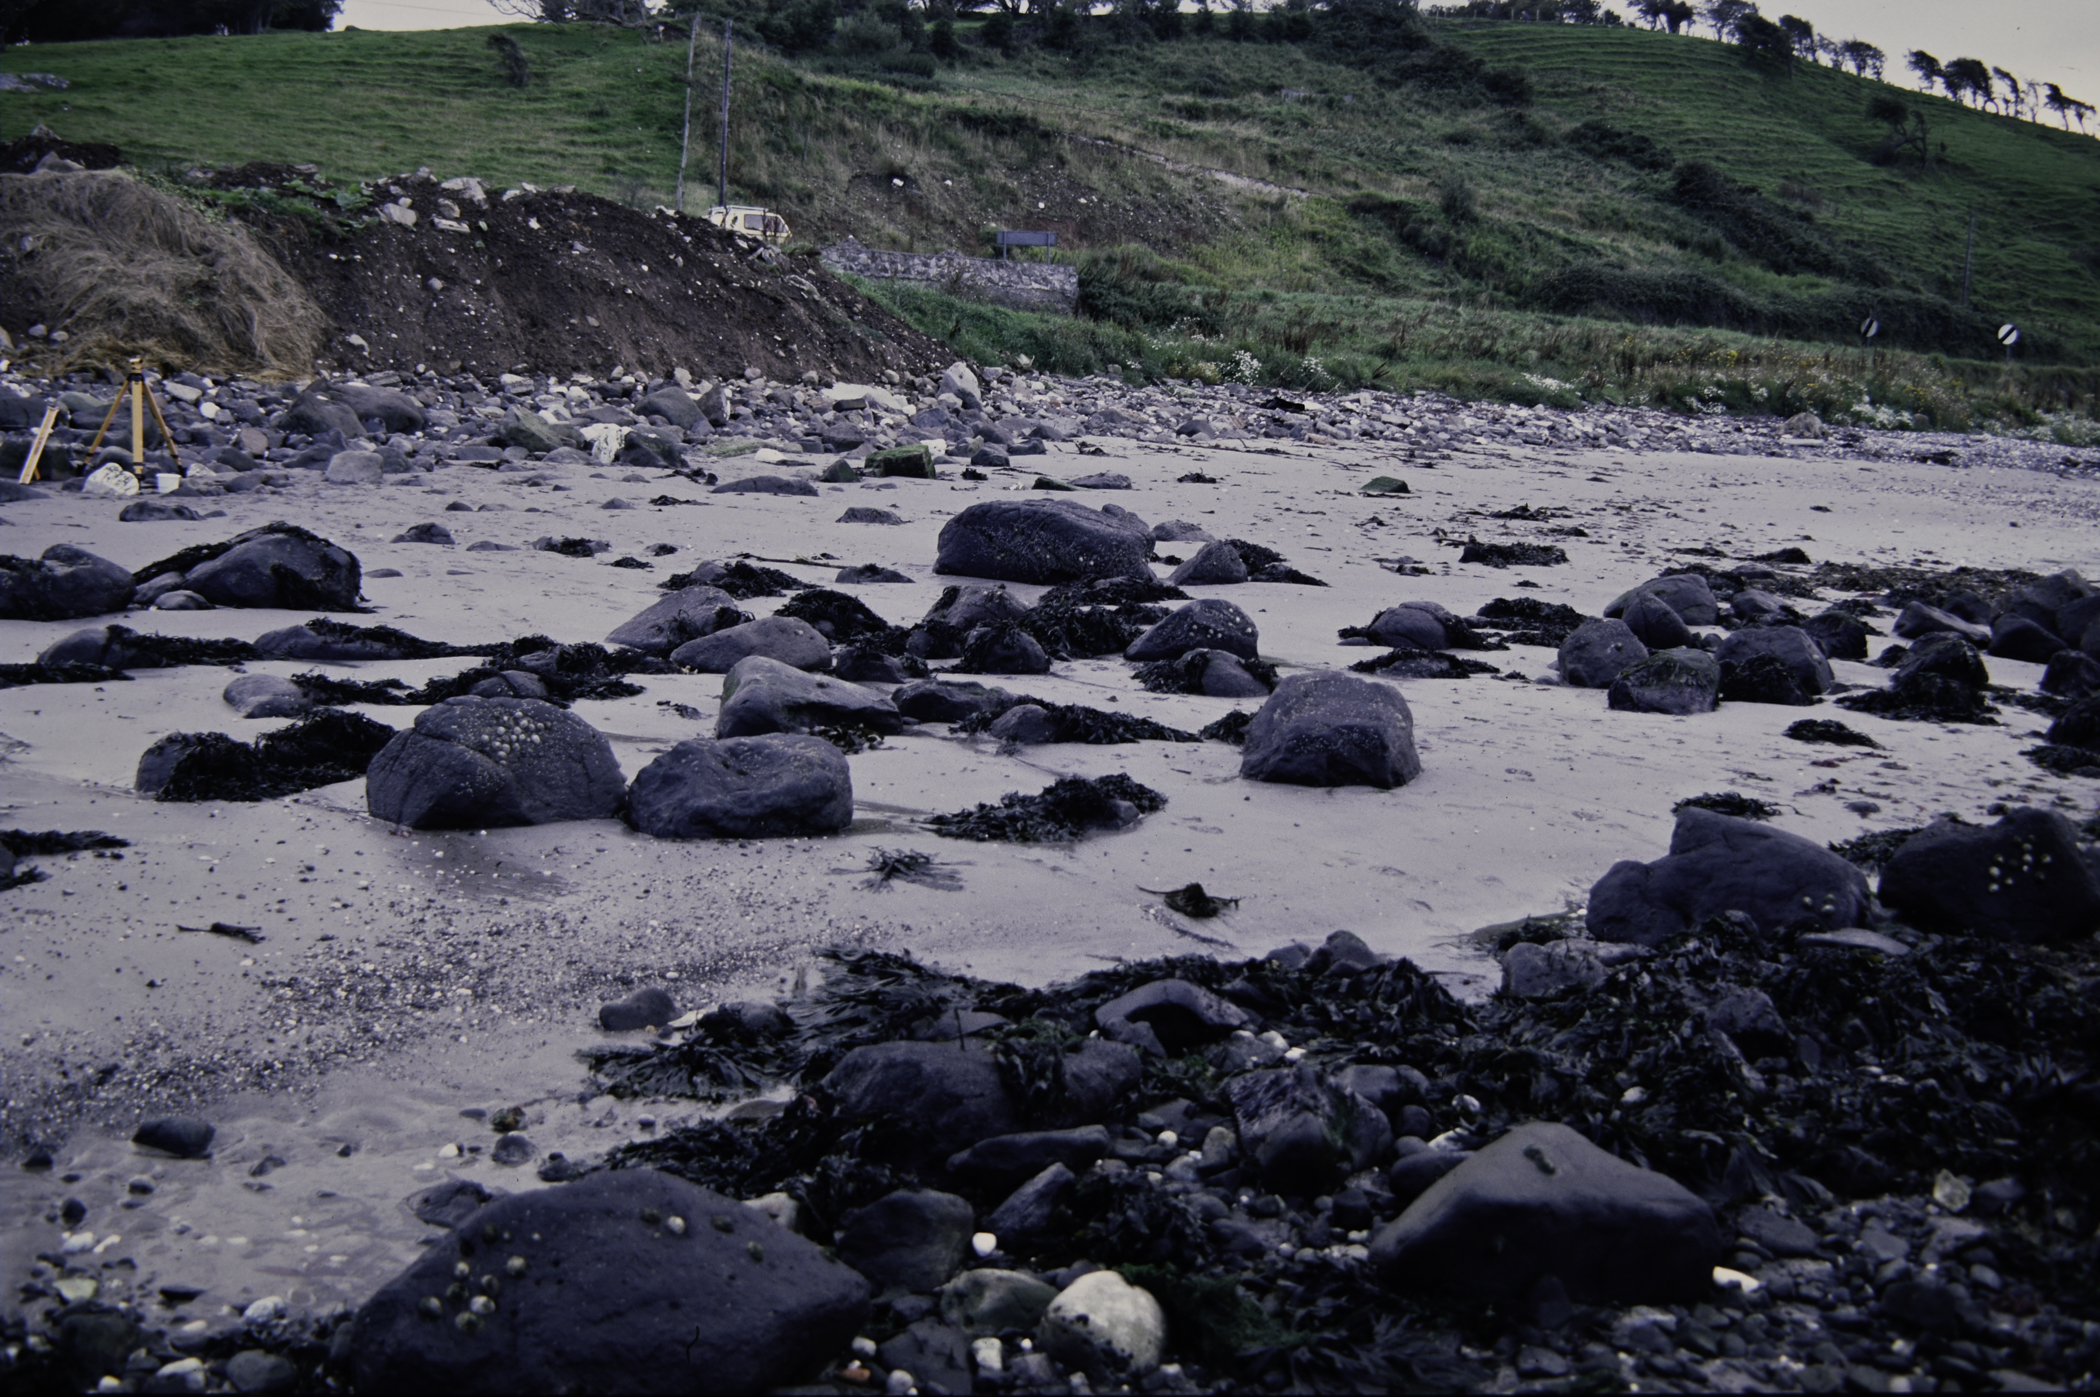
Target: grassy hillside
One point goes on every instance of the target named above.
(1375, 228)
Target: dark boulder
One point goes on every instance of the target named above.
(2017, 638)
(673, 404)
(266, 696)
(1302, 1131)
(791, 642)
(1597, 651)
(452, 1202)
(2078, 725)
(185, 1137)
(645, 1008)
(1655, 624)
(1009, 1159)
(2072, 674)
(426, 533)
(1042, 541)
(938, 1097)
(1002, 649)
(1420, 624)
(1685, 593)
(1942, 655)
(1790, 645)
(864, 574)
(912, 1240)
(743, 788)
(622, 1281)
(111, 647)
(1763, 679)
(1215, 565)
(279, 565)
(1543, 1202)
(63, 584)
(766, 485)
(686, 614)
(939, 701)
(2021, 879)
(1170, 1017)
(1919, 620)
(1681, 681)
(318, 411)
(1205, 624)
(474, 763)
(1838, 634)
(762, 695)
(1332, 730)
(1721, 864)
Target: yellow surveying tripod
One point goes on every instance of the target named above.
(141, 399)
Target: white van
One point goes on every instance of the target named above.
(763, 224)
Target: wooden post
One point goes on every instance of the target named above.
(722, 175)
(685, 144)
(36, 448)
(138, 416)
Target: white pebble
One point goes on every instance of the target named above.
(984, 1243)
(901, 1384)
(264, 1310)
(989, 1355)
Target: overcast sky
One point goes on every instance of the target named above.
(2051, 40)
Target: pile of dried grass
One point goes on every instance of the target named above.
(126, 269)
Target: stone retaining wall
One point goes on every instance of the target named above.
(1017, 285)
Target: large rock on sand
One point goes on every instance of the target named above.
(1721, 864)
(763, 695)
(62, 585)
(475, 763)
(1332, 730)
(1208, 624)
(1542, 1202)
(1596, 652)
(2021, 879)
(686, 614)
(1681, 682)
(1043, 541)
(743, 788)
(629, 1280)
(279, 565)
(784, 638)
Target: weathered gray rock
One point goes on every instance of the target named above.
(1030, 1211)
(2020, 880)
(1002, 650)
(1332, 730)
(317, 411)
(63, 584)
(474, 763)
(1025, 724)
(1839, 635)
(266, 696)
(791, 642)
(991, 1301)
(1790, 645)
(1682, 681)
(1215, 565)
(671, 403)
(686, 614)
(1919, 620)
(1721, 864)
(609, 1294)
(355, 468)
(396, 410)
(763, 695)
(1176, 1016)
(1042, 541)
(112, 647)
(1544, 1202)
(1596, 652)
(1009, 1159)
(1106, 1327)
(743, 788)
(1685, 593)
(944, 701)
(185, 1137)
(526, 428)
(1531, 971)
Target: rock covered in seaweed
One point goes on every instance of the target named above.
(475, 763)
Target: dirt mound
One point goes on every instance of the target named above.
(564, 282)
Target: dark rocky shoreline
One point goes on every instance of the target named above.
(1897, 1144)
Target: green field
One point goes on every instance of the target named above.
(1395, 233)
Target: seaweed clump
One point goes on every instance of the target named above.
(18, 844)
(1734, 803)
(319, 750)
(1873, 850)
(1184, 675)
(1060, 813)
(1519, 555)
(1095, 727)
(1528, 621)
(1831, 731)
(1413, 662)
(740, 579)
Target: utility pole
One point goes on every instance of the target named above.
(685, 143)
(722, 175)
(1968, 261)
